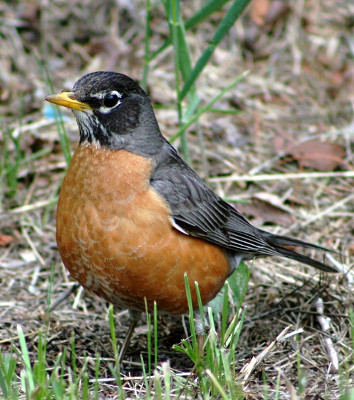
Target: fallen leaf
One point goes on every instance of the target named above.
(5, 239)
(351, 249)
(259, 11)
(318, 155)
(264, 212)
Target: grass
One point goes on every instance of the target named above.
(213, 375)
(72, 352)
(66, 380)
(185, 73)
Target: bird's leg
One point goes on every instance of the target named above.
(134, 317)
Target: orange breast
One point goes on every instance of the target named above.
(116, 238)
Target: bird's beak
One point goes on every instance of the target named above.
(67, 99)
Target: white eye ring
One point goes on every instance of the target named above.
(110, 101)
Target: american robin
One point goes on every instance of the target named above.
(133, 217)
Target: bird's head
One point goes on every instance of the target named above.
(112, 111)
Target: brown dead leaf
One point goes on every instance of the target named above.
(5, 239)
(265, 212)
(318, 155)
(259, 11)
(351, 249)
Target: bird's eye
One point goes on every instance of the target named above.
(112, 99)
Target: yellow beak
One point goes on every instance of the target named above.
(67, 99)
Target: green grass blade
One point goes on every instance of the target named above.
(191, 314)
(209, 8)
(149, 347)
(225, 25)
(73, 355)
(217, 385)
(9, 161)
(113, 337)
(207, 107)
(191, 108)
(8, 375)
(116, 369)
(63, 137)
(147, 44)
(182, 61)
(155, 333)
(3, 382)
(351, 320)
(85, 387)
(97, 374)
(200, 303)
(233, 331)
(27, 378)
(238, 282)
(224, 111)
(224, 315)
(145, 377)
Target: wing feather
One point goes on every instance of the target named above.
(197, 211)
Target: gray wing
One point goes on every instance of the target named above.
(197, 211)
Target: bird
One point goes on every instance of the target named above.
(133, 217)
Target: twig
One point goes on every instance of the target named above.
(14, 338)
(342, 268)
(281, 177)
(325, 325)
(291, 334)
(78, 297)
(248, 368)
(320, 214)
(29, 207)
(63, 296)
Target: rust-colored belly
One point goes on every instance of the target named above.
(116, 238)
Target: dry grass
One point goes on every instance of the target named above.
(300, 87)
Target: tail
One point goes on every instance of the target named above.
(277, 242)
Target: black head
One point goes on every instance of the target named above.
(114, 112)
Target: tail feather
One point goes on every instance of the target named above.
(277, 242)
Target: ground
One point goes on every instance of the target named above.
(291, 117)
